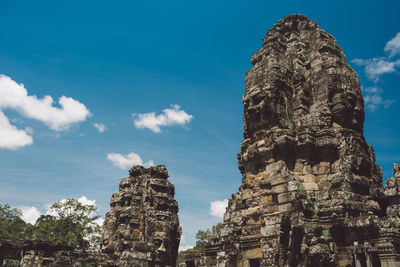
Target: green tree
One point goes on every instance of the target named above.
(69, 221)
(11, 224)
(204, 237)
(216, 229)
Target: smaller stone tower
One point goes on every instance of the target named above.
(142, 226)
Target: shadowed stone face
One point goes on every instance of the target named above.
(300, 70)
(303, 103)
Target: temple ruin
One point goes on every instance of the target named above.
(141, 230)
(311, 192)
(142, 226)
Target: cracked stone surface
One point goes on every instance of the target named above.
(311, 192)
(142, 226)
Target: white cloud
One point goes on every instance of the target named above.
(99, 221)
(15, 96)
(170, 116)
(375, 67)
(11, 137)
(182, 245)
(30, 214)
(217, 208)
(85, 201)
(393, 46)
(127, 161)
(100, 127)
(372, 90)
(150, 163)
(373, 98)
(29, 130)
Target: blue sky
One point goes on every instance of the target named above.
(122, 58)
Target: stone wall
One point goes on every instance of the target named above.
(35, 253)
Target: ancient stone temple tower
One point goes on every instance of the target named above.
(141, 230)
(142, 227)
(311, 192)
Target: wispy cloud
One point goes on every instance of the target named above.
(100, 127)
(10, 136)
(373, 98)
(15, 96)
(183, 244)
(30, 214)
(170, 116)
(393, 46)
(217, 208)
(374, 68)
(377, 66)
(127, 161)
(85, 201)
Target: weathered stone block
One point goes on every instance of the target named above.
(267, 200)
(285, 207)
(308, 178)
(279, 189)
(310, 186)
(251, 212)
(285, 198)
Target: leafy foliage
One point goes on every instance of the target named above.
(70, 222)
(11, 224)
(11, 263)
(202, 238)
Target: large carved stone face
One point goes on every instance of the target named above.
(290, 82)
(303, 102)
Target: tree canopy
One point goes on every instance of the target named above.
(11, 224)
(204, 236)
(67, 221)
